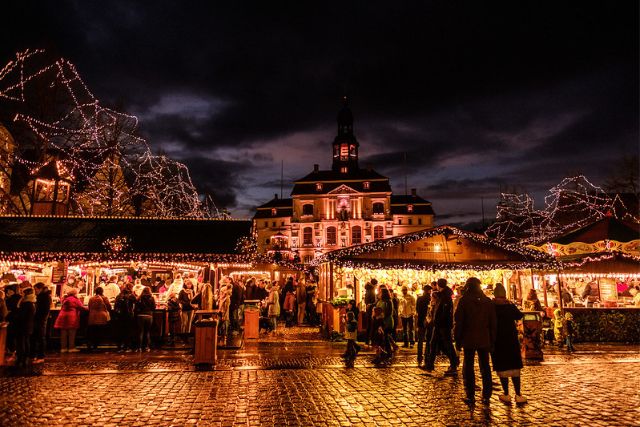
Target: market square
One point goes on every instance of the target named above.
(337, 214)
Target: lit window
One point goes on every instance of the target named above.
(331, 236)
(307, 235)
(378, 208)
(356, 235)
(318, 186)
(344, 152)
(378, 232)
(274, 211)
(344, 169)
(409, 208)
(366, 185)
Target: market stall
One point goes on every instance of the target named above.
(420, 258)
(599, 278)
(82, 252)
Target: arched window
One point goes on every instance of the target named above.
(378, 208)
(356, 235)
(378, 232)
(307, 236)
(331, 236)
(307, 209)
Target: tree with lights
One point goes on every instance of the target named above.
(114, 171)
(573, 203)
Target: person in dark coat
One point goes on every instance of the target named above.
(11, 301)
(474, 329)
(506, 357)
(43, 308)
(125, 318)
(442, 324)
(237, 301)
(422, 307)
(144, 318)
(250, 289)
(25, 315)
(370, 302)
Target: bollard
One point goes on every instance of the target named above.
(251, 319)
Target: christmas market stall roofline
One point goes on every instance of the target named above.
(95, 239)
(515, 256)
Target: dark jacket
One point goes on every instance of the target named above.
(422, 307)
(173, 309)
(506, 354)
(124, 305)
(444, 309)
(237, 296)
(25, 314)
(145, 305)
(43, 306)
(369, 294)
(184, 297)
(250, 291)
(474, 324)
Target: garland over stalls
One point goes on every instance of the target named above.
(114, 170)
(340, 256)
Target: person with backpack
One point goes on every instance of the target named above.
(442, 324)
(123, 308)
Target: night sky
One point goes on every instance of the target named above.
(480, 97)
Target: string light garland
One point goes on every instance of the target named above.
(339, 256)
(114, 170)
(572, 204)
(99, 257)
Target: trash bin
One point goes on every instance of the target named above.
(251, 319)
(206, 351)
(532, 336)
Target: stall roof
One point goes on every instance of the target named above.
(607, 228)
(96, 235)
(444, 247)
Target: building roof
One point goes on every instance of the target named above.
(399, 205)
(607, 228)
(331, 180)
(89, 235)
(283, 207)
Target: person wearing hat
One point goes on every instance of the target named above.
(506, 357)
(569, 331)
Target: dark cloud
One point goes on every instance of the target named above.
(473, 96)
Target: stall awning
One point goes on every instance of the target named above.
(113, 238)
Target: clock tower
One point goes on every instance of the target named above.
(345, 144)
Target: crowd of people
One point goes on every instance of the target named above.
(469, 324)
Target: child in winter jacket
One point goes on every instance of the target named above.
(351, 335)
(569, 331)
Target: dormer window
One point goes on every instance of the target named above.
(307, 209)
(274, 211)
(366, 185)
(318, 186)
(344, 169)
(409, 208)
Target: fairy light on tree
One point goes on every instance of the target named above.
(573, 203)
(114, 169)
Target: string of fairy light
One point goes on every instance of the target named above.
(574, 203)
(113, 169)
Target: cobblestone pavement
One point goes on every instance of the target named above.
(299, 382)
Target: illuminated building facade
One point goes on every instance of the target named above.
(337, 208)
